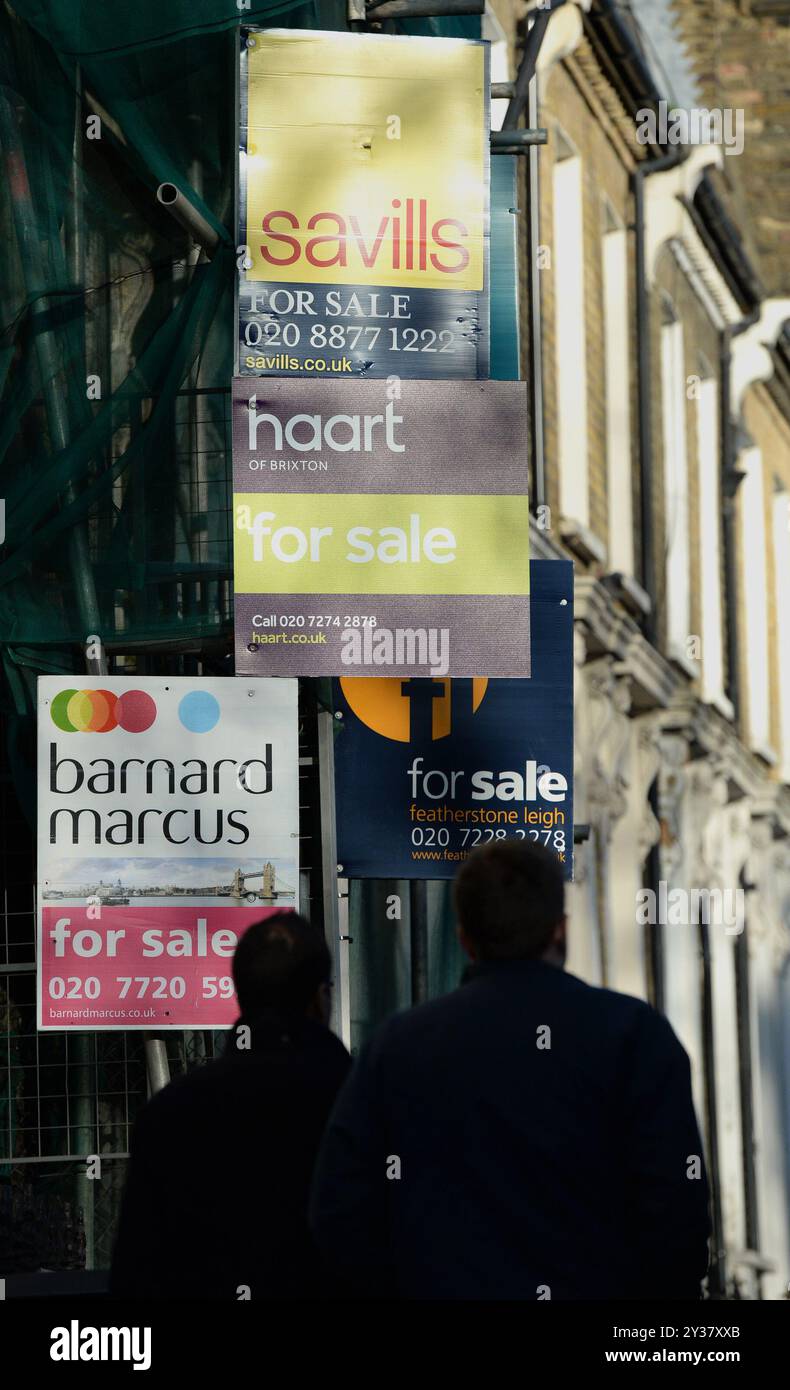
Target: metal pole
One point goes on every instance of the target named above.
(535, 312)
(156, 1062)
(526, 70)
(517, 141)
(421, 9)
(418, 939)
(188, 216)
(81, 1044)
(343, 990)
(329, 868)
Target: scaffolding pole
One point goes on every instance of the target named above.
(338, 949)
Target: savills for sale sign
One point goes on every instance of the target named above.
(380, 528)
(168, 822)
(363, 197)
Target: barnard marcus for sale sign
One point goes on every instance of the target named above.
(363, 199)
(167, 825)
(427, 770)
(380, 528)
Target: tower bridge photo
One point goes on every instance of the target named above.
(118, 883)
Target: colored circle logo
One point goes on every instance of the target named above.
(199, 711)
(99, 711)
(385, 703)
(135, 711)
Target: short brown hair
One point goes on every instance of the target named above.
(509, 896)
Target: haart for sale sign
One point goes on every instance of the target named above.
(380, 528)
(168, 822)
(363, 205)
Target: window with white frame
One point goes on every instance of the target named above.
(617, 344)
(571, 355)
(755, 590)
(676, 511)
(781, 529)
(710, 508)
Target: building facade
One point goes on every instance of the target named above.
(666, 478)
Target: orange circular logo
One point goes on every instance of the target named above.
(384, 705)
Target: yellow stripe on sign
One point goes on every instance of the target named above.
(359, 543)
(365, 160)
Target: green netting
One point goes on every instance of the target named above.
(116, 331)
(84, 30)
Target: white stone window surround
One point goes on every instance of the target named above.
(676, 509)
(569, 332)
(710, 541)
(617, 360)
(781, 540)
(754, 580)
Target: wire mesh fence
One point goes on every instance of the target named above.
(68, 1101)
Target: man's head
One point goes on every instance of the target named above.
(509, 900)
(283, 963)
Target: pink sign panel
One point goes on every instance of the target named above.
(150, 967)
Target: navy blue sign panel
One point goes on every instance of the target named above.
(362, 330)
(427, 770)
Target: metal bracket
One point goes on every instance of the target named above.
(517, 141)
(360, 13)
(529, 59)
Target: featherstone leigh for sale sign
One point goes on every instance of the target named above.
(168, 821)
(380, 528)
(427, 770)
(363, 205)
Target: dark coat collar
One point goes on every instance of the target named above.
(506, 969)
(271, 1030)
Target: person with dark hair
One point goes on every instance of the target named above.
(221, 1159)
(526, 1137)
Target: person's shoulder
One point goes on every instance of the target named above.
(331, 1053)
(413, 1024)
(637, 1021)
(601, 1013)
(605, 999)
(554, 983)
(181, 1095)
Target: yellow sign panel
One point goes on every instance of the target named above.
(366, 160)
(324, 543)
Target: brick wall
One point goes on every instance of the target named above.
(742, 61)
